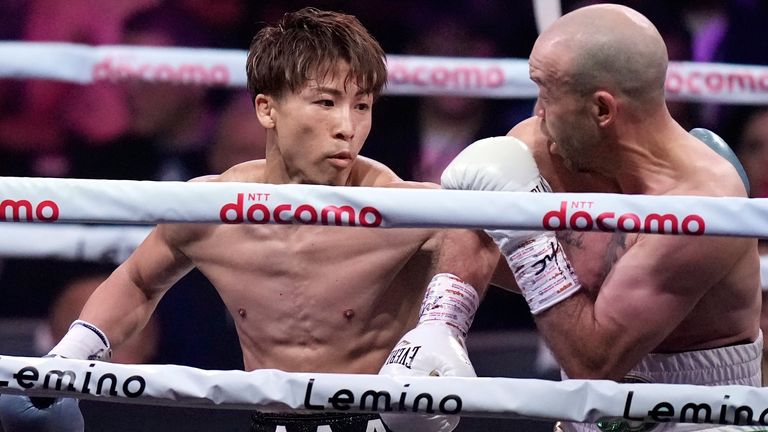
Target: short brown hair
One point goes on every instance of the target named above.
(308, 44)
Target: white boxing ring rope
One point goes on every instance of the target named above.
(125, 201)
(278, 391)
(71, 242)
(108, 244)
(408, 75)
(62, 200)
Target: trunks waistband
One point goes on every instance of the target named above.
(296, 422)
(730, 365)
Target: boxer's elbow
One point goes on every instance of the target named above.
(592, 369)
(590, 352)
(596, 361)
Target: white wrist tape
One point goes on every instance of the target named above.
(451, 301)
(83, 341)
(542, 272)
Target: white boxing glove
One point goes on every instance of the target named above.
(435, 347)
(536, 258)
(45, 414)
(20, 413)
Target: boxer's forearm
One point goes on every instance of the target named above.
(470, 255)
(584, 345)
(117, 309)
(120, 307)
(604, 336)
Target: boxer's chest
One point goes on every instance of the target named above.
(296, 253)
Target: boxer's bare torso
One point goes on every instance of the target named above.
(313, 298)
(304, 298)
(725, 313)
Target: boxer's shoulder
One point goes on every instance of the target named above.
(371, 173)
(704, 172)
(529, 132)
(551, 168)
(249, 171)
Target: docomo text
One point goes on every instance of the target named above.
(681, 81)
(263, 212)
(115, 69)
(25, 210)
(579, 217)
(445, 76)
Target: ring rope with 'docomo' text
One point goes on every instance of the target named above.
(408, 75)
(51, 200)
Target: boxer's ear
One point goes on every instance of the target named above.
(264, 110)
(604, 111)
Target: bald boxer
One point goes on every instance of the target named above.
(651, 308)
(308, 298)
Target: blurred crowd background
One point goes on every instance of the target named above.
(160, 131)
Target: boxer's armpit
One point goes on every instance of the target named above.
(616, 248)
(573, 239)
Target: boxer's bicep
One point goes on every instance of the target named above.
(635, 306)
(123, 303)
(655, 285)
(602, 334)
(158, 262)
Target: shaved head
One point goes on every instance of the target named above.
(606, 46)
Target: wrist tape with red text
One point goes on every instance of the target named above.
(83, 341)
(451, 301)
(542, 272)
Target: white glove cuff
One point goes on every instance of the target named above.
(83, 341)
(542, 272)
(451, 301)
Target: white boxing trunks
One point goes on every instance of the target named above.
(731, 365)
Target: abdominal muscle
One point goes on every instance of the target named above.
(315, 299)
